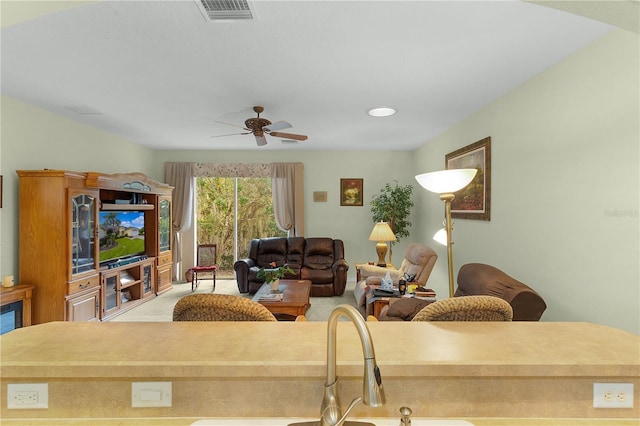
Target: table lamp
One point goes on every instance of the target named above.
(445, 183)
(382, 233)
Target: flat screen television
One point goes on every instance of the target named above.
(121, 234)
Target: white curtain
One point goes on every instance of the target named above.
(180, 176)
(288, 201)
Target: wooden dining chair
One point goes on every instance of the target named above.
(205, 268)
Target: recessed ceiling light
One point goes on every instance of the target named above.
(381, 111)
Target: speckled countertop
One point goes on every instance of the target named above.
(296, 349)
(548, 367)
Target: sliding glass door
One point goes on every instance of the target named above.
(230, 213)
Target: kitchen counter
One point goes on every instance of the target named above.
(471, 370)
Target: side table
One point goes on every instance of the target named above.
(374, 304)
(380, 303)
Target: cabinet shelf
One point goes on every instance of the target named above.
(129, 284)
(109, 207)
(126, 286)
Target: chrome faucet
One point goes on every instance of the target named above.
(373, 393)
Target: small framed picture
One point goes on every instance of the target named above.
(320, 196)
(351, 192)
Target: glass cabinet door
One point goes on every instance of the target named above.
(147, 283)
(110, 289)
(164, 228)
(83, 222)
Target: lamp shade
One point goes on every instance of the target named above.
(441, 236)
(382, 232)
(446, 181)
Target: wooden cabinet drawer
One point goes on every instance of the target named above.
(83, 284)
(164, 260)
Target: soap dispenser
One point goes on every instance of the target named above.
(405, 420)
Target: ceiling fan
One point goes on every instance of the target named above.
(259, 126)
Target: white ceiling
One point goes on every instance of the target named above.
(161, 75)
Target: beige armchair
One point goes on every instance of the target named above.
(418, 261)
(467, 308)
(219, 307)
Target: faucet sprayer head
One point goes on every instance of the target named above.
(373, 392)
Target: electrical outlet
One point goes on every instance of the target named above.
(613, 395)
(27, 395)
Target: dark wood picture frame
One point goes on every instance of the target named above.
(351, 192)
(473, 201)
(0, 191)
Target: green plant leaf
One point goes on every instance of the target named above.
(393, 205)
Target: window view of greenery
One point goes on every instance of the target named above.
(216, 216)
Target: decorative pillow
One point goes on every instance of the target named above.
(406, 308)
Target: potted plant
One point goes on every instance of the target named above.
(393, 205)
(273, 274)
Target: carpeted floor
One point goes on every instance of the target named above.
(161, 307)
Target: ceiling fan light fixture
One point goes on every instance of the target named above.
(259, 127)
(381, 111)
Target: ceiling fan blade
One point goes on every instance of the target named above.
(231, 134)
(289, 136)
(278, 125)
(261, 140)
(229, 124)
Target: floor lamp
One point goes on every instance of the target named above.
(445, 183)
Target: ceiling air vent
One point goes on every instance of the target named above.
(225, 10)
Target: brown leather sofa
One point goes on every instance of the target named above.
(481, 279)
(319, 260)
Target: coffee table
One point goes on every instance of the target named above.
(295, 298)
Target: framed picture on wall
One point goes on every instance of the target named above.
(320, 196)
(351, 192)
(473, 201)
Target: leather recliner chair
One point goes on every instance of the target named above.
(418, 262)
(480, 279)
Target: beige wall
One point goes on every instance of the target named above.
(32, 138)
(565, 183)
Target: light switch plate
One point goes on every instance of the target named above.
(150, 394)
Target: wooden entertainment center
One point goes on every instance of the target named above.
(60, 237)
